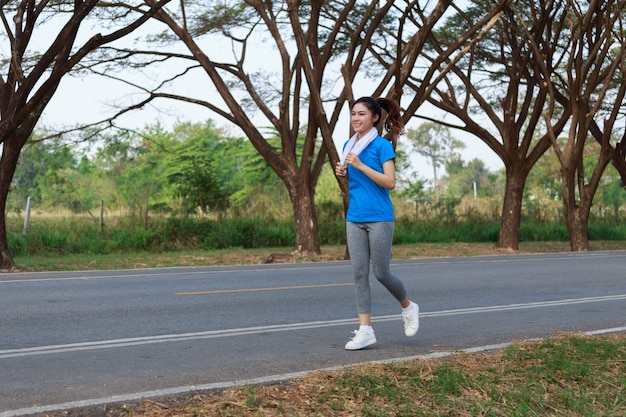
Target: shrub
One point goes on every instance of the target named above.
(75, 234)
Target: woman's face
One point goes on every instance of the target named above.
(362, 119)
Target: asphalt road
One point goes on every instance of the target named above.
(83, 338)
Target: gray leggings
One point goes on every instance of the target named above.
(372, 241)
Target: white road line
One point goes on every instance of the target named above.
(212, 334)
(261, 380)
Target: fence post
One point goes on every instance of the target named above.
(27, 216)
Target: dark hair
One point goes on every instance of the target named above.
(393, 123)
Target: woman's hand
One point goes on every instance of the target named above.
(386, 179)
(340, 170)
(353, 159)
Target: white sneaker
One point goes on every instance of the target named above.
(360, 340)
(411, 320)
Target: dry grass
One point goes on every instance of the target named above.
(564, 376)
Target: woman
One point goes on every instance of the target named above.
(368, 162)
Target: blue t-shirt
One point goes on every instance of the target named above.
(368, 201)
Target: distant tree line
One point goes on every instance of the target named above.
(191, 169)
(198, 169)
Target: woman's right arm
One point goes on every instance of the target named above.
(340, 170)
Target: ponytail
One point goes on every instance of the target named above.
(393, 122)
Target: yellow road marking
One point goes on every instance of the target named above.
(295, 287)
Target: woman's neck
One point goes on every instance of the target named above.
(360, 135)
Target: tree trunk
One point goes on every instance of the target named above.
(576, 215)
(305, 217)
(577, 227)
(578, 198)
(508, 238)
(8, 162)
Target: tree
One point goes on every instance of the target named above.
(415, 192)
(390, 58)
(591, 81)
(31, 77)
(191, 170)
(292, 28)
(612, 197)
(132, 161)
(434, 142)
(319, 49)
(113, 158)
(385, 37)
(463, 178)
(543, 189)
(240, 90)
(38, 159)
(497, 93)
